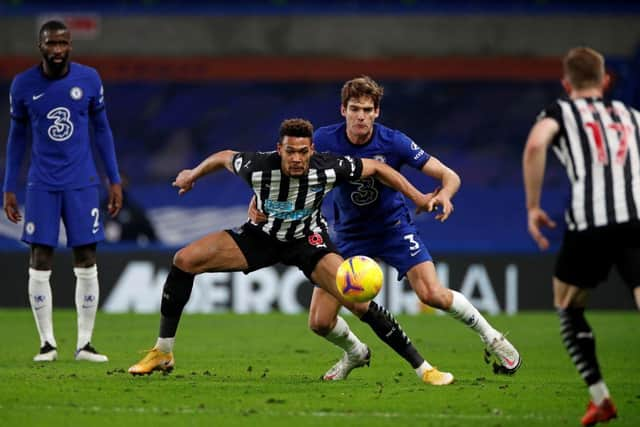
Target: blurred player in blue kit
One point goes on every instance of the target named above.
(373, 219)
(58, 100)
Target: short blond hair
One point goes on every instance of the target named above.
(584, 67)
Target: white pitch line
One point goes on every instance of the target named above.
(335, 414)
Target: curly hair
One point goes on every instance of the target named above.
(296, 127)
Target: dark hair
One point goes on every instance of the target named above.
(362, 86)
(296, 127)
(51, 26)
(583, 67)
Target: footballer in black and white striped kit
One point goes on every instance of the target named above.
(292, 203)
(289, 185)
(597, 142)
(598, 145)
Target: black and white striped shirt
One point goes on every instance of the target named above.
(598, 146)
(292, 204)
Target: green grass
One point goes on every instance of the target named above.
(263, 370)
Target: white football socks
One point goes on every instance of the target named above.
(87, 297)
(342, 336)
(599, 392)
(42, 304)
(464, 311)
(165, 344)
(420, 370)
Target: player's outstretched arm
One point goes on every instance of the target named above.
(533, 165)
(394, 179)
(450, 184)
(187, 178)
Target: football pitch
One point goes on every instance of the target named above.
(263, 370)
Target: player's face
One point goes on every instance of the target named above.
(55, 47)
(295, 153)
(360, 115)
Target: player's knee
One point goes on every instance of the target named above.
(358, 309)
(84, 256)
(320, 325)
(434, 296)
(41, 257)
(184, 260)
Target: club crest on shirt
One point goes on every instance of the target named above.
(75, 93)
(30, 227)
(380, 158)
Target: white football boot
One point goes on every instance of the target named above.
(48, 353)
(90, 354)
(344, 366)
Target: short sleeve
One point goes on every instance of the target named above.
(348, 167)
(245, 163)
(552, 111)
(410, 152)
(238, 159)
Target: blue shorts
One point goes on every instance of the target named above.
(400, 247)
(78, 209)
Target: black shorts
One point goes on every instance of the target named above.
(586, 257)
(262, 250)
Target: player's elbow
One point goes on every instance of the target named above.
(534, 148)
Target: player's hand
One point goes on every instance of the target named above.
(423, 207)
(538, 218)
(255, 216)
(184, 181)
(10, 204)
(437, 199)
(115, 199)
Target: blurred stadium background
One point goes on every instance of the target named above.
(465, 79)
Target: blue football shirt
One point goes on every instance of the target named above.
(59, 112)
(367, 205)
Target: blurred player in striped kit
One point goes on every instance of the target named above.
(597, 142)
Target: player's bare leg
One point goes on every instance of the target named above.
(377, 317)
(424, 281)
(325, 321)
(87, 298)
(40, 298)
(214, 252)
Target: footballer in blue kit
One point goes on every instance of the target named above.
(370, 217)
(373, 220)
(59, 102)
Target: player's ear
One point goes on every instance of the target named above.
(606, 82)
(343, 110)
(566, 85)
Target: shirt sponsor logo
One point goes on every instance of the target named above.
(285, 210)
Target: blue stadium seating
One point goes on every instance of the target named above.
(476, 127)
